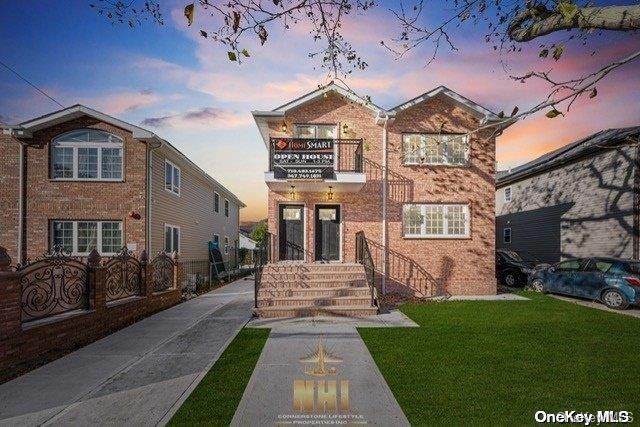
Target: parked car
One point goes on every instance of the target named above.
(614, 282)
(513, 268)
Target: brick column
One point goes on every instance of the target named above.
(10, 299)
(96, 283)
(177, 271)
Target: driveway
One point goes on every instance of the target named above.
(633, 311)
(139, 375)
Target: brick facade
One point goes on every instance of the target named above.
(48, 199)
(424, 267)
(9, 194)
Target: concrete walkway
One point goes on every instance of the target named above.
(137, 376)
(269, 396)
(633, 311)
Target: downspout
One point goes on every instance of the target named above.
(22, 196)
(384, 205)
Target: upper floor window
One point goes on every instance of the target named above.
(315, 131)
(507, 194)
(226, 245)
(226, 207)
(435, 149)
(87, 155)
(435, 220)
(171, 177)
(216, 202)
(506, 235)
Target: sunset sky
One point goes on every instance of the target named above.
(172, 81)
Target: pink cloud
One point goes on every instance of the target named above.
(121, 102)
(203, 118)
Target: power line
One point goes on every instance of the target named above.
(29, 83)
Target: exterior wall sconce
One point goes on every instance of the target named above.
(345, 128)
(330, 193)
(284, 127)
(292, 192)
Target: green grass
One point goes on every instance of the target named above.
(487, 362)
(215, 399)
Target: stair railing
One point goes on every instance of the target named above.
(363, 256)
(262, 257)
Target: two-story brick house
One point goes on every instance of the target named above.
(81, 179)
(413, 178)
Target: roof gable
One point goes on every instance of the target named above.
(456, 97)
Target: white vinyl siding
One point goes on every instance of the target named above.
(435, 220)
(435, 149)
(172, 177)
(87, 155)
(81, 237)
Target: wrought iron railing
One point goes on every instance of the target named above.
(348, 153)
(263, 256)
(53, 284)
(363, 256)
(123, 276)
(162, 272)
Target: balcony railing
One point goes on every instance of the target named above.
(347, 153)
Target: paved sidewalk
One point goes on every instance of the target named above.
(269, 396)
(136, 376)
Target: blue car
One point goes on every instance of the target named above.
(614, 282)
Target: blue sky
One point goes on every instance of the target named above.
(181, 86)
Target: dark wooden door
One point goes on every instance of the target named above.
(291, 232)
(327, 232)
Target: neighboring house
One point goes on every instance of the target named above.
(581, 200)
(430, 230)
(81, 179)
(246, 242)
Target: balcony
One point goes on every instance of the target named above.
(314, 164)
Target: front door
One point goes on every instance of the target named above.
(327, 232)
(291, 232)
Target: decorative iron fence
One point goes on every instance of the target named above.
(363, 256)
(52, 285)
(262, 256)
(163, 272)
(123, 275)
(196, 274)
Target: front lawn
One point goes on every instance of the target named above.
(215, 399)
(489, 362)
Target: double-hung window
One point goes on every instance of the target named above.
(507, 194)
(81, 237)
(216, 202)
(226, 245)
(435, 149)
(171, 238)
(226, 207)
(87, 155)
(316, 131)
(506, 235)
(172, 177)
(435, 220)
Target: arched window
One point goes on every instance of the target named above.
(87, 154)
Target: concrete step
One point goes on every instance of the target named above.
(313, 267)
(306, 301)
(316, 283)
(306, 311)
(277, 292)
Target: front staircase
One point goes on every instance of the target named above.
(312, 289)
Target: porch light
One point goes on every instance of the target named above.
(284, 126)
(292, 193)
(330, 193)
(345, 128)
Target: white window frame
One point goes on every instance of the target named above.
(445, 222)
(504, 235)
(173, 186)
(510, 196)
(227, 208)
(423, 149)
(297, 126)
(75, 222)
(164, 239)
(226, 245)
(59, 142)
(216, 208)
